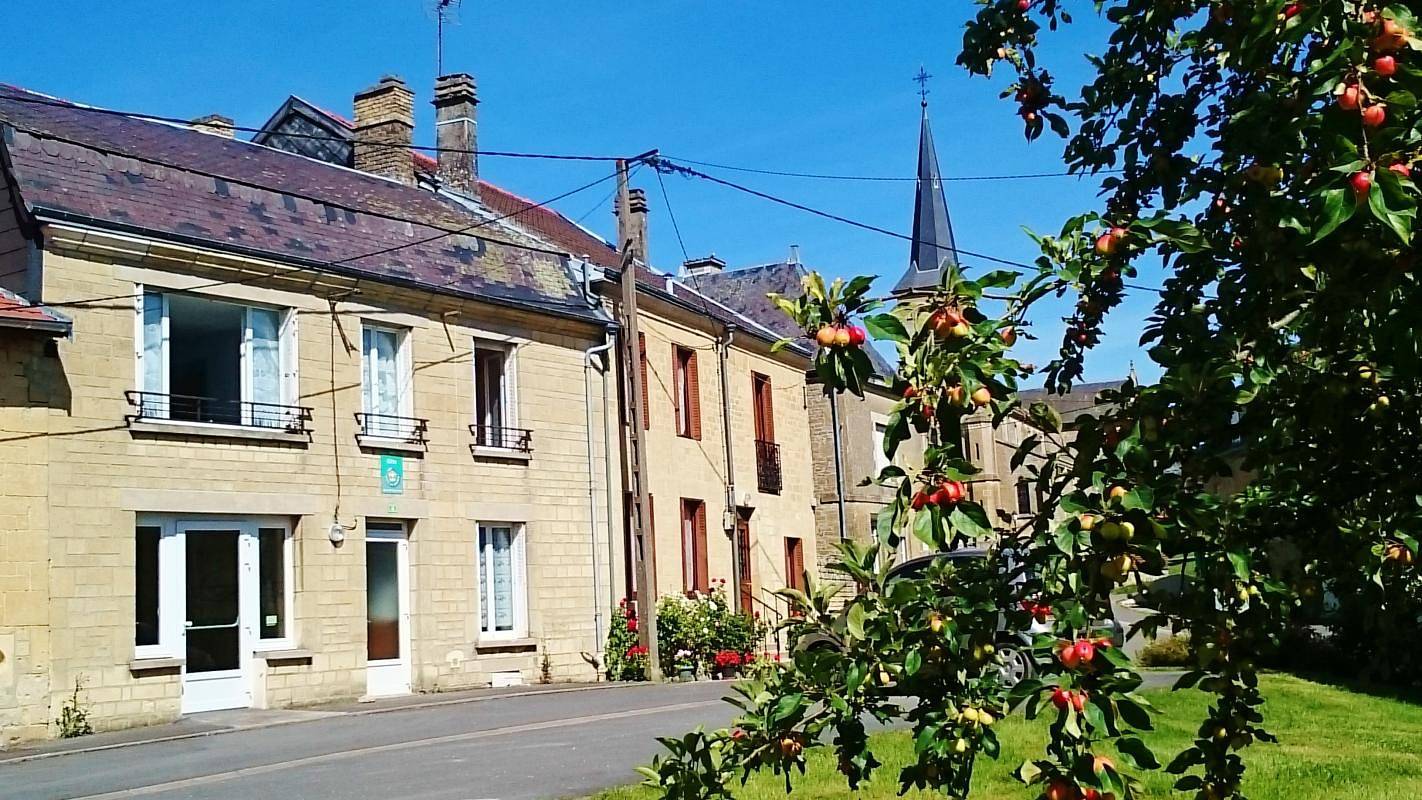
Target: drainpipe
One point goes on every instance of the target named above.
(589, 356)
(838, 465)
(729, 521)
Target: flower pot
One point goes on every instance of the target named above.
(687, 674)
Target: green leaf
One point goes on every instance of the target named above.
(1028, 772)
(923, 526)
(1240, 562)
(1337, 208)
(854, 620)
(887, 326)
(1141, 497)
(1134, 714)
(970, 520)
(912, 662)
(1136, 752)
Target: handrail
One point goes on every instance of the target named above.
(768, 476)
(504, 438)
(414, 430)
(214, 410)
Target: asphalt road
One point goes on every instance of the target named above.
(527, 747)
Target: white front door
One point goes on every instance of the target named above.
(387, 603)
(219, 611)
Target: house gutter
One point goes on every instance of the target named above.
(589, 358)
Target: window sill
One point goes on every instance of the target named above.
(162, 664)
(500, 453)
(154, 427)
(293, 654)
(505, 645)
(382, 444)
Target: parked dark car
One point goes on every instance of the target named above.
(1017, 657)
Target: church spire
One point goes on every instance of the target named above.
(932, 245)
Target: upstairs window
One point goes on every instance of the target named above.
(881, 435)
(495, 408)
(686, 393)
(1024, 497)
(764, 407)
(387, 380)
(213, 361)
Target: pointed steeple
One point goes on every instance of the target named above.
(932, 232)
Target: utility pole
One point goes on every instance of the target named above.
(645, 547)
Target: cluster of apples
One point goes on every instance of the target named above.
(945, 494)
(1063, 789)
(1351, 95)
(840, 336)
(1031, 96)
(948, 323)
(1399, 553)
(1063, 698)
(1381, 402)
(1080, 653)
(1111, 530)
(1040, 612)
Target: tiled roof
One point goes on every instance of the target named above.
(17, 312)
(745, 290)
(541, 221)
(173, 182)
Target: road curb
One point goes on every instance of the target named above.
(20, 758)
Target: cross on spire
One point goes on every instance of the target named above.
(922, 80)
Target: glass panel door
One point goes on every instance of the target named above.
(382, 600)
(213, 623)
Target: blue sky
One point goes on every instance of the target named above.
(822, 87)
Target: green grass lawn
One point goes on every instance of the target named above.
(1333, 743)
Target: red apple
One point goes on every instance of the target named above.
(1349, 97)
(1393, 37)
(1085, 651)
(1059, 789)
(910, 392)
(1106, 244)
(1023, 5)
(1061, 698)
(1385, 66)
(1375, 115)
(1078, 700)
(857, 335)
(1401, 169)
(950, 493)
(1292, 9)
(1009, 335)
(982, 396)
(841, 337)
(1066, 653)
(943, 320)
(825, 336)
(920, 499)
(954, 394)
(1362, 183)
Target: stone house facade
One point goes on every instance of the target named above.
(265, 467)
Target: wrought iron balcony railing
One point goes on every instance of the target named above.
(519, 439)
(411, 430)
(151, 406)
(767, 467)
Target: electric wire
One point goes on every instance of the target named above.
(886, 178)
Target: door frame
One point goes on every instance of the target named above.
(174, 529)
(388, 677)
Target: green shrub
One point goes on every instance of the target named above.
(1173, 651)
(697, 627)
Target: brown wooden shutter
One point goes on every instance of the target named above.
(764, 410)
(794, 563)
(703, 572)
(693, 392)
(646, 409)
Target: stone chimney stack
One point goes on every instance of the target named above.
(217, 125)
(706, 265)
(385, 129)
(455, 100)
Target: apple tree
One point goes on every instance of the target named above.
(1261, 155)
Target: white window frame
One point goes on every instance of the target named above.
(880, 459)
(485, 582)
(289, 389)
(509, 393)
(404, 370)
(172, 579)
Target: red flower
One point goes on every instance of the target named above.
(631, 623)
(636, 651)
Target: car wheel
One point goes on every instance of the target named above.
(1015, 663)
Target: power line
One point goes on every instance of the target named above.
(875, 178)
(187, 123)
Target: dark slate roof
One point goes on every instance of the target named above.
(173, 182)
(745, 290)
(301, 117)
(17, 312)
(1081, 399)
(932, 231)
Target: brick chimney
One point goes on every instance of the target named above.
(217, 125)
(385, 129)
(706, 265)
(455, 100)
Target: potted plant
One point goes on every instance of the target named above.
(684, 665)
(728, 663)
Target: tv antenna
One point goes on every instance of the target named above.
(445, 12)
